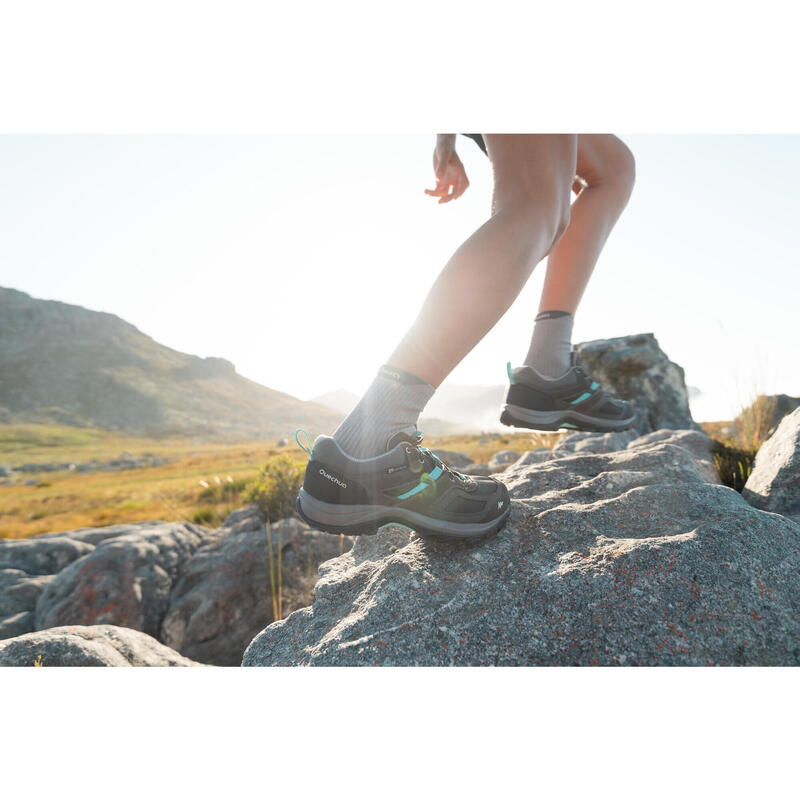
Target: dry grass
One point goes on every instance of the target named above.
(737, 442)
(275, 574)
(752, 425)
(173, 491)
(202, 482)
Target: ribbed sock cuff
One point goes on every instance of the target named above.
(392, 404)
(551, 343)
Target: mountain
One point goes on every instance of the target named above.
(66, 364)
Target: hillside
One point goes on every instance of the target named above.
(63, 363)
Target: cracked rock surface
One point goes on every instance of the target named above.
(627, 556)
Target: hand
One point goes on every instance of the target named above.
(451, 177)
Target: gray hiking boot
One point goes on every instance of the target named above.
(408, 485)
(572, 401)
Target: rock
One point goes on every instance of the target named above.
(18, 595)
(626, 557)
(774, 483)
(207, 592)
(15, 624)
(476, 469)
(28, 565)
(224, 596)
(247, 518)
(89, 646)
(40, 556)
(697, 442)
(537, 456)
(636, 369)
(453, 458)
(594, 442)
(283, 442)
(499, 461)
(125, 580)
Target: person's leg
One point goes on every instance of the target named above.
(607, 168)
(530, 210)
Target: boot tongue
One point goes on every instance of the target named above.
(409, 436)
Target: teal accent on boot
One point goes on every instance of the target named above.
(307, 446)
(510, 374)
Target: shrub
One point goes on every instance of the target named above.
(276, 487)
(734, 464)
(203, 516)
(223, 492)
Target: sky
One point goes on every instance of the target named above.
(304, 259)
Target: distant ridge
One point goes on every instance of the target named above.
(65, 364)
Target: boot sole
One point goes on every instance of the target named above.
(519, 417)
(361, 520)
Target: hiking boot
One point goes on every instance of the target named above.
(573, 401)
(408, 485)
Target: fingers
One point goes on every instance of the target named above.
(461, 186)
(454, 189)
(451, 187)
(441, 190)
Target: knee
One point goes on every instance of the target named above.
(612, 164)
(623, 168)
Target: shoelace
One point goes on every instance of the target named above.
(454, 475)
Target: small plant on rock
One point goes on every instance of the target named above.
(275, 489)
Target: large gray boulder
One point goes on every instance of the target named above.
(223, 596)
(537, 456)
(593, 442)
(28, 565)
(636, 369)
(774, 483)
(204, 592)
(503, 459)
(626, 557)
(89, 646)
(125, 580)
(18, 595)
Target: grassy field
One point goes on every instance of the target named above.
(202, 482)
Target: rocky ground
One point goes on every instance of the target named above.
(621, 549)
(202, 593)
(89, 646)
(616, 552)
